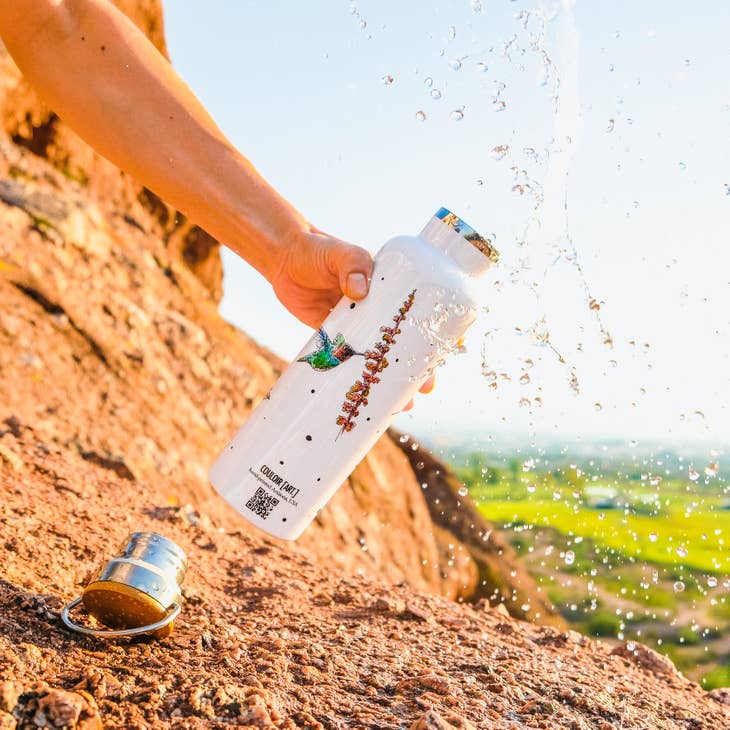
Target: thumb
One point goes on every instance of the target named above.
(354, 267)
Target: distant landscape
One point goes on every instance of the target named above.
(628, 546)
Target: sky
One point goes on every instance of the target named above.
(589, 138)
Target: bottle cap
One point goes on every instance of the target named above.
(137, 591)
(466, 231)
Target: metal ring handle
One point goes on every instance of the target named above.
(170, 616)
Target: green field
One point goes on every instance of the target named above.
(622, 554)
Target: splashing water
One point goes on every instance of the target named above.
(546, 237)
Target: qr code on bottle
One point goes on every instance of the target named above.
(261, 503)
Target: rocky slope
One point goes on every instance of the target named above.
(271, 637)
(119, 384)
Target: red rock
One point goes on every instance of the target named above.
(9, 693)
(646, 658)
(427, 681)
(59, 708)
(433, 721)
(721, 695)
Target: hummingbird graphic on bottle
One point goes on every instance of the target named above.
(329, 353)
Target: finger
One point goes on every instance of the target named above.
(408, 405)
(354, 267)
(428, 384)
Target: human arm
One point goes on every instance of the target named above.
(103, 77)
(99, 72)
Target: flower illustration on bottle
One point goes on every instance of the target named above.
(329, 353)
(375, 362)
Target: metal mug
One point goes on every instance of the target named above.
(137, 592)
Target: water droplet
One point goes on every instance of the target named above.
(682, 552)
(500, 151)
(712, 582)
(428, 81)
(611, 125)
(694, 475)
(630, 646)
(682, 166)
(678, 586)
(528, 465)
(611, 67)
(452, 32)
(594, 305)
(388, 80)
(420, 116)
(457, 115)
(435, 94)
(569, 557)
(712, 469)
(403, 439)
(597, 407)
(455, 64)
(363, 23)
(480, 182)
(531, 488)
(653, 536)
(500, 105)
(482, 67)
(463, 491)
(655, 480)
(524, 379)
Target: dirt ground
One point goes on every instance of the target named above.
(271, 637)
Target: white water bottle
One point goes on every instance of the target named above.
(357, 371)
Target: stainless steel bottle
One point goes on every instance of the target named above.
(355, 373)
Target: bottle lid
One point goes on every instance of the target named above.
(466, 231)
(137, 592)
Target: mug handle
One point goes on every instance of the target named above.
(167, 619)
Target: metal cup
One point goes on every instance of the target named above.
(137, 591)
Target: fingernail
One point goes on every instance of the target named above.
(357, 285)
(428, 384)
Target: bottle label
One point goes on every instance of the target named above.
(332, 351)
